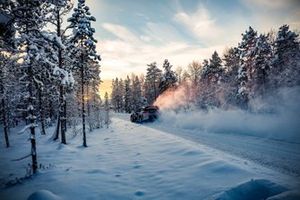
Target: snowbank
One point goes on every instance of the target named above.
(253, 189)
(43, 195)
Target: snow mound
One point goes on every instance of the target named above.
(289, 195)
(254, 189)
(43, 195)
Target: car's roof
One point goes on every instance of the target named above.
(151, 107)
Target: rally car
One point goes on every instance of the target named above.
(149, 113)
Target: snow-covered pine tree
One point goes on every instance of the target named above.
(230, 83)
(56, 9)
(114, 85)
(29, 21)
(92, 84)
(142, 83)
(215, 69)
(260, 73)
(211, 79)
(84, 40)
(247, 65)
(285, 70)
(7, 33)
(153, 78)
(127, 95)
(169, 79)
(136, 102)
(121, 90)
(117, 94)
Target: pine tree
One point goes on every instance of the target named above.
(263, 57)
(285, 67)
(211, 80)
(127, 95)
(114, 87)
(56, 9)
(169, 79)
(153, 78)
(214, 70)
(121, 95)
(84, 40)
(28, 16)
(247, 65)
(137, 102)
(231, 64)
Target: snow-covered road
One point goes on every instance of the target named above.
(133, 161)
(282, 156)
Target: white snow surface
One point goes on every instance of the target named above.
(138, 161)
(269, 140)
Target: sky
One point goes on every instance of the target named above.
(134, 33)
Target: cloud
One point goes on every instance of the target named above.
(132, 47)
(273, 4)
(162, 32)
(129, 53)
(120, 31)
(272, 14)
(200, 24)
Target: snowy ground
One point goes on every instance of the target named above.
(282, 155)
(134, 161)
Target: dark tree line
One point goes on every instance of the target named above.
(133, 93)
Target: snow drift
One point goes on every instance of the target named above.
(253, 189)
(43, 195)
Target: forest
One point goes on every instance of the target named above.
(49, 73)
(255, 70)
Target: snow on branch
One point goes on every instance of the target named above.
(27, 127)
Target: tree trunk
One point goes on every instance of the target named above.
(31, 118)
(62, 100)
(3, 110)
(42, 113)
(61, 113)
(5, 124)
(57, 128)
(51, 110)
(30, 108)
(82, 102)
(65, 112)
